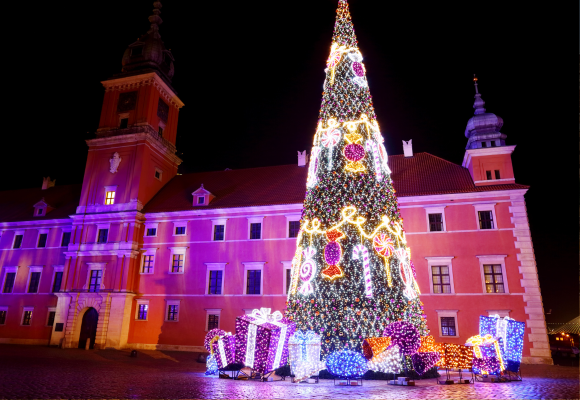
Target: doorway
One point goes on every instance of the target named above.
(89, 328)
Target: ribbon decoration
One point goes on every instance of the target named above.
(222, 352)
(477, 340)
(304, 339)
(501, 329)
(263, 316)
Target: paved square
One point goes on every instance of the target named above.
(42, 372)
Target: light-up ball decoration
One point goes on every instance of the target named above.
(346, 364)
(354, 152)
(404, 335)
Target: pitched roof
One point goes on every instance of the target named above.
(420, 175)
(18, 205)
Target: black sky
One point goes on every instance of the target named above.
(250, 74)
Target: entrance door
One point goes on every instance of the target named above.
(89, 328)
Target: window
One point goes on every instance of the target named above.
(40, 211)
(218, 232)
(95, 280)
(110, 197)
(34, 282)
(172, 312)
(148, 261)
(151, 231)
(65, 239)
(483, 144)
(42, 239)
(494, 282)
(142, 311)
(435, 222)
(124, 123)
(180, 230)
(254, 282)
(160, 131)
(448, 326)
(3, 317)
(485, 219)
(102, 236)
(256, 231)
(492, 143)
(27, 316)
(288, 279)
(57, 282)
(9, 282)
(201, 200)
(17, 241)
(488, 175)
(215, 282)
(51, 316)
(212, 321)
(497, 174)
(177, 263)
(441, 279)
(158, 174)
(293, 228)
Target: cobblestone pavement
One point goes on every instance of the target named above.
(41, 372)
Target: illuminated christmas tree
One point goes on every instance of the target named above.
(352, 273)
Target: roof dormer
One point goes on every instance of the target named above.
(202, 197)
(42, 208)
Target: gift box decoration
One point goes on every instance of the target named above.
(510, 335)
(372, 347)
(427, 344)
(454, 355)
(487, 355)
(422, 362)
(387, 361)
(304, 355)
(224, 350)
(211, 365)
(262, 340)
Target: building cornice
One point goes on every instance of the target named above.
(488, 151)
(135, 81)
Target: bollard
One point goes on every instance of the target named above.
(88, 344)
(133, 353)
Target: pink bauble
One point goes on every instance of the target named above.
(354, 152)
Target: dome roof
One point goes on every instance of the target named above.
(482, 122)
(149, 52)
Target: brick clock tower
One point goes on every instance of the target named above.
(130, 160)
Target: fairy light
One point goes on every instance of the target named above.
(349, 188)
(422, 362)
(224, 350)
(304, 355)
(388, 361)
(488, 356)
(404, 335)
(371, 347)
(211, 365)
(346, 364)
(510, 334)
(307, 271)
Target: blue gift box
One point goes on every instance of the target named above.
(510, 335)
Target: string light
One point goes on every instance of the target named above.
(388, 361)
(510, 334)
(454, 355)
(346, 364)
(211, 365)
(404, 335)
(351, 191)
(372, 347)
(224, 350)
(488, 358)
(307, 271)
(304, 355)
(422, 362)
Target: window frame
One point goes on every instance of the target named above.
(147, 252)
(212, 311)
(31, 270)
(55, 269)
(435, 210)
(447, 313)
(158, 171)
(151, 225)
(440, 261)
(215, 267)
(291, 218)
(140, 302)
(115, 197)
(497, 174)
(179, 224)
(63, 231)
(9, 270)
(286, 265)
(93, 267)
(174, 251)
(218, 221)
(50, 309)
(5, 310)
(99, 227)
(24, 311)
(172, 303)
(486, 207)
(256, 220)
(40, 233)
(493, 259)
(250, 266)
(17, 233)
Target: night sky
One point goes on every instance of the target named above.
(250, 74)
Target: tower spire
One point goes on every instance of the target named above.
(478, 103)
(343, 28)
(155, 20)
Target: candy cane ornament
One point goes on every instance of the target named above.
(307, 271)
(359, 252)
(371, 147)
(330, 138)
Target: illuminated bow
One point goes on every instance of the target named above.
(266, 315)
(303, 339)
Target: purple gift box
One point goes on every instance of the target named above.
(224, 350)
(262, 340)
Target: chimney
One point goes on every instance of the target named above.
(408, 148)
(47, 183)
(302, 158)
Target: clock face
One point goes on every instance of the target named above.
(127, 101)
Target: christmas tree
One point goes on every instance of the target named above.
(352, 273)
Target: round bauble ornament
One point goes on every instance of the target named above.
(354, 152)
